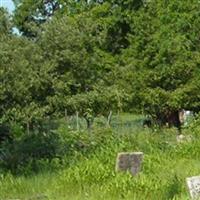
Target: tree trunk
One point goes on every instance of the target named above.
(28, 128)
(170, 119)
(66, 117)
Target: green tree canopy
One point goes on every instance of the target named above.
(5, 23)
(163, 57)
(145, 53)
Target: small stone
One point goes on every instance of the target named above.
(193, 184)
(182, 138)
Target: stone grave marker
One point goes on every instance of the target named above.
(122, 163)
(193, 184)
(129, 162)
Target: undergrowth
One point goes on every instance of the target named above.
(85, 168)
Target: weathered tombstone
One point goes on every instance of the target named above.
(129, 162)
(135, 160)
(193, 184)
(122, 163)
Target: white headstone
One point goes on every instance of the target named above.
(129, 162)
(193, 184)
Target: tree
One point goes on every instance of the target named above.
(31, 15)
(75, 59)
(145, 53)
(5, 22)
(163, 59)
(22, 80)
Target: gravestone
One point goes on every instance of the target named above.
(193, 184)
(129, 162)
(122, 163)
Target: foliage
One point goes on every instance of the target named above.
(29, 15)
(165, 167)
(21, 83)
(75, 62)
(162, 59)
(100, 56)
(5, 23)
(25, 154)
(93, 57)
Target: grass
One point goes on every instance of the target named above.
(165, 168)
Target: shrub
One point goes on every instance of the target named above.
(30, 152)
(30, 148)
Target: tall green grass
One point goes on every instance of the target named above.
(91, 175)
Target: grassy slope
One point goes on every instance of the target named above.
(165, 167)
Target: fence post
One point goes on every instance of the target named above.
(66, 118)
(28, 128)
(77, 120)
(109, 118)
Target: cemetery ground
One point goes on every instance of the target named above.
(87, 172)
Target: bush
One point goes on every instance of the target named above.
(30, 148)
(32, 152)
(5, 133)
